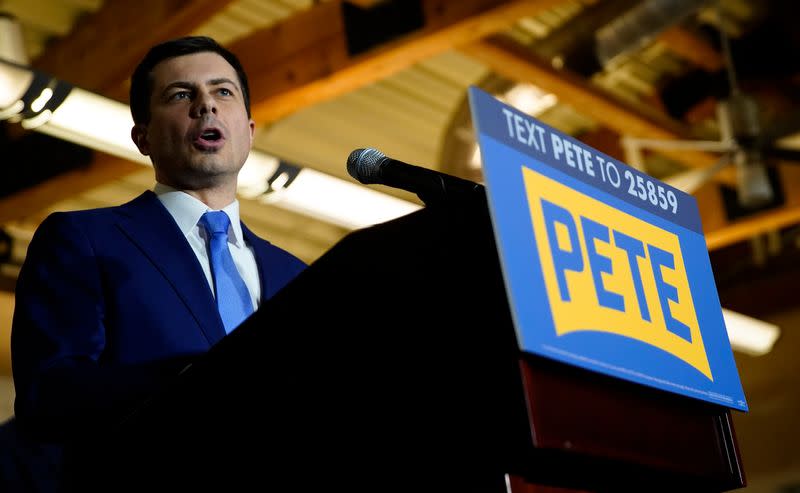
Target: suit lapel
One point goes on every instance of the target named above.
(149, 225)
(261, 260)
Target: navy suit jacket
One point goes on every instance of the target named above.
(110, 302)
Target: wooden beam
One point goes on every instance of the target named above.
(103, 169)
(307, 61)
(755, 225)
(365, 4)
(515, 62)
(104, 47)
(728, 233)
(693, 48)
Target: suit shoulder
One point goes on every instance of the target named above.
(88, 217)
(84, 220)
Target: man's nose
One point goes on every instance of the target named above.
(203, 104)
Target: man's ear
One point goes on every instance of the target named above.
(139, 136)
(252, 131)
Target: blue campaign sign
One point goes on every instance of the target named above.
(606, 267)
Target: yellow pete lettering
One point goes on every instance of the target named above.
(608, 271)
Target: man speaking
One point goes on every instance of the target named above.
(111, 302)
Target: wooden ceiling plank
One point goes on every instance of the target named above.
(301, 80)
(103, 169)
(116, 36)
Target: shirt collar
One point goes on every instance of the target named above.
(187, 211)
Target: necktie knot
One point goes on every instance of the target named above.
(216, 222)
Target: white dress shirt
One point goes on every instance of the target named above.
(187, 211)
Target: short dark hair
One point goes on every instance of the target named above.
(142, 82)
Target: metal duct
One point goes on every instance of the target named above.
(640, 25)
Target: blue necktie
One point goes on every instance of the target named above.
(233, 298)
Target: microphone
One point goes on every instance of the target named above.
(371, 166)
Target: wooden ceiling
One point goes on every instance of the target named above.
(328, 77)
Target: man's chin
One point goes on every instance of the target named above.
(202, 178)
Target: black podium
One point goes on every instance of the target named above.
(391, 364)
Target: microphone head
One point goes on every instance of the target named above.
(365, 165)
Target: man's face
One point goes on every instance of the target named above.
(199, 134)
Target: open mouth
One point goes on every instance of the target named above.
(209, 139)
(211, 135)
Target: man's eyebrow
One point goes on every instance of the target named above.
(222, 80)
(182, 84)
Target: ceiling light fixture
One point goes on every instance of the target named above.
(12, 44)
(749, 335)
(529, 99)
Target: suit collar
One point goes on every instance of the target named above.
(150, 226)
(187, 210)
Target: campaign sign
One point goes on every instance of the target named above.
(606, 267)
